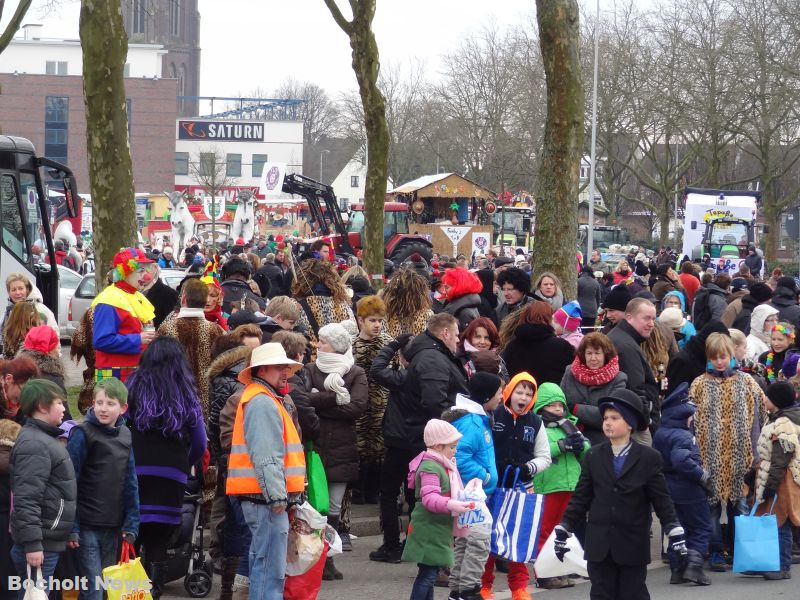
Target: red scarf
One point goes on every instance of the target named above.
(592, 377)
(216, 316)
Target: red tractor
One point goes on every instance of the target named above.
(399, 244)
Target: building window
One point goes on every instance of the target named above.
(233, 165)
(208, 164)
(344, 204)
(139, 15)
(56, 127)
(258, 164)
(56, 67)
(175, 17)
(181, 163)
(353, 180)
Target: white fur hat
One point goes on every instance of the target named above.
(337, 336)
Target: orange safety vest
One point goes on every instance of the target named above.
(241, 474)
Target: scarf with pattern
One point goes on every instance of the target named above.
(593, 377)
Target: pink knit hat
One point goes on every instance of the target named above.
(440, 432)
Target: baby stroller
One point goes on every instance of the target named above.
(186, 558)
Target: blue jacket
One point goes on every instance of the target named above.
(475, 452)
(683, 467)
(78, 450)
(688, 329)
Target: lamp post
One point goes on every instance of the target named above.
(320, 163)
(590, 229)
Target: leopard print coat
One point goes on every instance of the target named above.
(418, 323)
(369, 426)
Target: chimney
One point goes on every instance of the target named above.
(33, 31)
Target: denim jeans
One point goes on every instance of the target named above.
(734, 509)
(98, 549)
(423, 584)
(785, 542)
(267, 550)
(20, 562)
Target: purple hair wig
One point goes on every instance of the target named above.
(162, 393)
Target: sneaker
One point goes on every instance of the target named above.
(453, 595)
(471, 594)
(777, 575)
(555, 583)
(696, 575)
(387, 554)
(717, 563)
(347, 544)
(487, 593)
(520, 594)
(676, 578)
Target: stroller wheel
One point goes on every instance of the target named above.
(197, 584)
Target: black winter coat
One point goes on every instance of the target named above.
(223, 383)
(164, 299)
(619, 507)
(690, 362)
(536, 349)
(785, 300)
(336, 443)
(742, 320)
(589, 295)
(269, 278)
(233, 290)
(435, 376)
(465, 309)
(44, 488)
(405, 417)
(633, 363)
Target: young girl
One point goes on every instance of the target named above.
(434, 476)
(781, 339)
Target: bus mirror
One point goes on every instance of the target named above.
(71, 195)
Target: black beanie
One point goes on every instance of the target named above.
(483, 387)
(761, 292)
(787, 282)
(617, 298)
(781, 394)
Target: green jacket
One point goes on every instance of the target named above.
(562, 475)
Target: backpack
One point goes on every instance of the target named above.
(701, 309)
(69, 262)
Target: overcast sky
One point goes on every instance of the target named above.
(249, 44)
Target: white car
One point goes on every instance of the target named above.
(86, 291)
(68, 282)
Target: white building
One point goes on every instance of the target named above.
(351, 182)
(33, 55)
(244, 146)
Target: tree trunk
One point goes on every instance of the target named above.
(366, 66)
(557, 202)
(771, 213)
(105, 48)
(663, 223)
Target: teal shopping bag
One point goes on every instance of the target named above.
(755, 544)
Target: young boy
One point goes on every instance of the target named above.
(475, 460)
(108, 492)
(566, 446)
(777, 449)
(371, 314)
(620, 480)
(520, 442)
(42, 482)
(687, 481)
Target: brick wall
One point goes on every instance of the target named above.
(152, 124)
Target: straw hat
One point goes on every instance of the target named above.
(267, 354)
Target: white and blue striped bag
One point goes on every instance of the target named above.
(517, 519)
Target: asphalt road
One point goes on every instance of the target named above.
(365, 580)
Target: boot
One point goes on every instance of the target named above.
(156, 571)
(677, 577)
(347, 545)
(229, 567)
(694, 569)
(330, 572)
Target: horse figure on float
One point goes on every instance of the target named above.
(244, 219)
(181, 221)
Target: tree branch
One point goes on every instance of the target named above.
(347, 26)
(14, 23)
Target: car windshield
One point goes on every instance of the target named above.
(729, 233)
(356, 222)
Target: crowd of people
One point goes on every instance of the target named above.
(658, 387)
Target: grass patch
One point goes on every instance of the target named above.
(72, 400)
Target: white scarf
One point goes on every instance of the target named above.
(336, 365)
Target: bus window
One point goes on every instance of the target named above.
(13, 230)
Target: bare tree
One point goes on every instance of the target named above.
(105, 48)
(366, 64)
(14, 24)
(319, 113)
(210, 170)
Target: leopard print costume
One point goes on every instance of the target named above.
(415, 325)
(323, 310)
(728, 408)
(369, 425)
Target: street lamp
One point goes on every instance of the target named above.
(320, 163)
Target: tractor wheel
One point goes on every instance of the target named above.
(401, 254)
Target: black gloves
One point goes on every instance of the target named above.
(562, 535)
(402, 340)
(571, 443)
(677, 540)
(526, 471)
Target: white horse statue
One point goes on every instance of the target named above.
(244, 219)
(181, 220)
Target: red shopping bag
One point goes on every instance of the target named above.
(306, 586)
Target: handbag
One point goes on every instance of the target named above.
(32, 589)
(517, 518)
(127, 579)
(549, 565)
(755, 543)
(317, 481)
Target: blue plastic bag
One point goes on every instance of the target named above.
(517, 517)
(755, 544)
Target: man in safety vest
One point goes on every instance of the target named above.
(267, 468)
